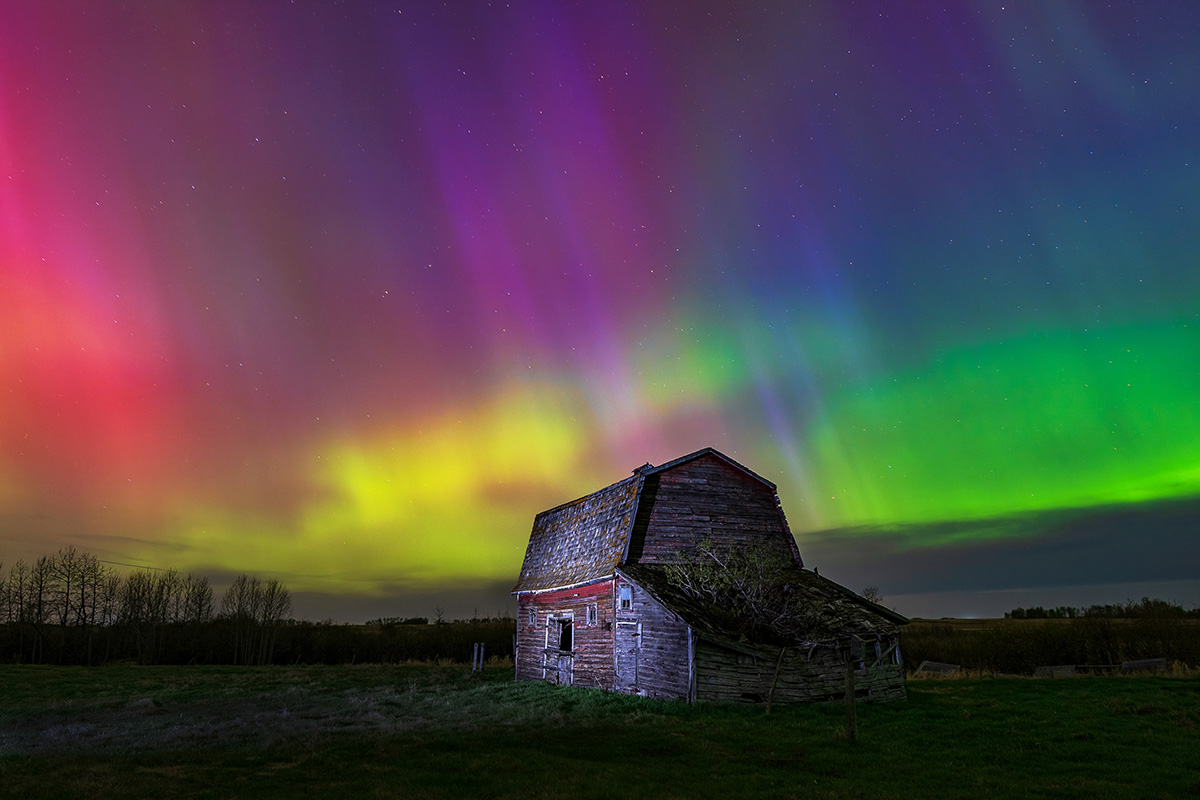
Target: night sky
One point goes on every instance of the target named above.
(344, 293)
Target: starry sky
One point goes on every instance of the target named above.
(345, 293)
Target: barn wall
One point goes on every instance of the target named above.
(727, 676)
(593, 650)
(651, 648)
(707, 498)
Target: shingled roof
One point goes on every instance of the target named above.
(580, 541)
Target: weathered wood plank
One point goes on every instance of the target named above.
(938, 668)
(721, 678)
(592, 645)
(709, 499)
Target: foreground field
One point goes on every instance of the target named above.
(438, 732)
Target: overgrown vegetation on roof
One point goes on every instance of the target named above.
(750, 594)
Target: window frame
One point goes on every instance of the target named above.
(555, 624)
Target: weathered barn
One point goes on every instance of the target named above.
(600, 603)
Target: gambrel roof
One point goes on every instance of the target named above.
(584, 540)
(580, 541)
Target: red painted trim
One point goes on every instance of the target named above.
(589, 592)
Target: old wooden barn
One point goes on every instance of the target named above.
(601, 603)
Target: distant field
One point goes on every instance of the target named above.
(984, 623)
(1020, 646)
(438, 732)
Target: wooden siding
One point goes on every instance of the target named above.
(706, 497)
(591, 657)
(651, 648)
(727, 676)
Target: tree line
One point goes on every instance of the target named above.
(71, 608)
(1147, 608)
(1096, 637)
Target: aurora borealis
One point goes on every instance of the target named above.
(344, 294)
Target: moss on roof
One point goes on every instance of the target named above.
(580, 541)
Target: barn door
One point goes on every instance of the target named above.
(626, 644)
(566, 652)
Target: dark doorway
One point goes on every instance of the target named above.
(565, 636)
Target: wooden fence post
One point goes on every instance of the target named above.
(775, 680)
(851, 721)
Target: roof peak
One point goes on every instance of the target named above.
(650, 469)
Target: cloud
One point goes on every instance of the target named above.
(1136, 542)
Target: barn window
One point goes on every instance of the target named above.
(625, 598)
(564, 635)
(533, 617)
(593, 615)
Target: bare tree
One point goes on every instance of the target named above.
(276, 606)
(134, 606)
(197, 597)
(164, 597)
(109, 600)
(255, 608)
(138, 612)
(87, 579)
(16, 592)
(750, 588)
(63, 569)
(153, 602)
(41, 596)
(240, 606)
(17, 601)
(871, 594)
(98, 579)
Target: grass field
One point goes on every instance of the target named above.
(438, 732)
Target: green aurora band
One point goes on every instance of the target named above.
(1054, 420)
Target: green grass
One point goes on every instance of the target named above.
(438, 732)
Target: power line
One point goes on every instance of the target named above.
(135, 566)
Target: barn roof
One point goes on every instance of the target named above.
(708, 451)
(584, 540)
(845, 611)
(580, 541)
